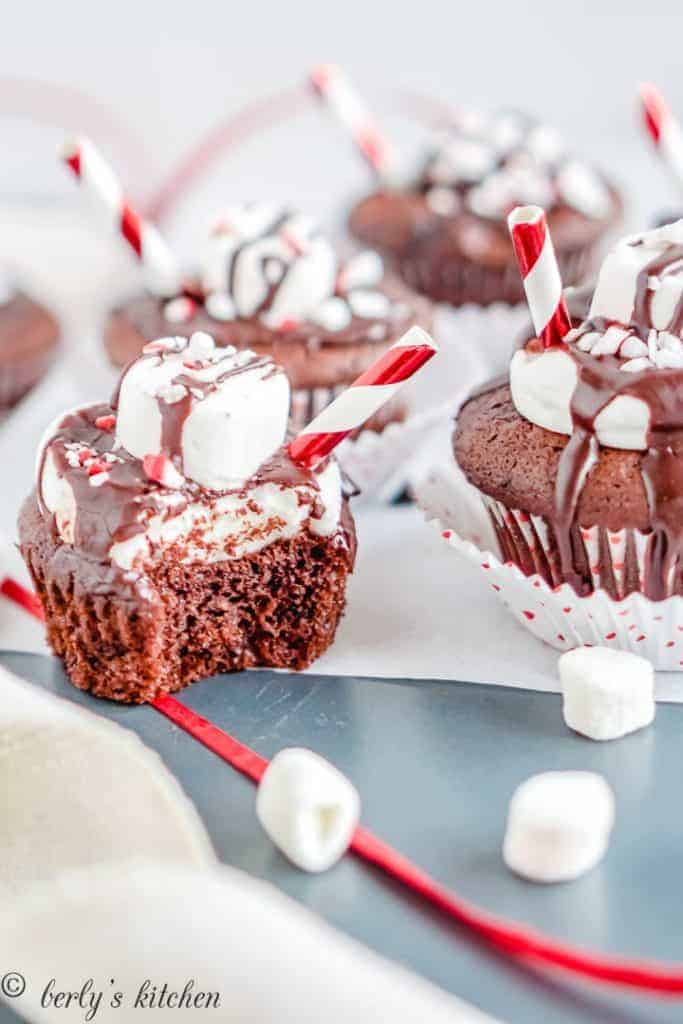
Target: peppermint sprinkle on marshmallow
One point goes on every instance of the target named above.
(161, 470)
(233, 416)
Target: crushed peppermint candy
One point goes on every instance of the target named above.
(105, 423)
(161, 470)
(661, 351)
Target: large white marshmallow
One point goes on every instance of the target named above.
(607, 693)
(228, 433)
(558, 825)
(308, 808)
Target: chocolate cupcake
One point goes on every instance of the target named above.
(29, 338)
(171, 536)
(578, 464)
(272, 283)
(445, 231)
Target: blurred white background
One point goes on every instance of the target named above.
(148, 80)
(170, 71)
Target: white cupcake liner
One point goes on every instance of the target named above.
(556, 614)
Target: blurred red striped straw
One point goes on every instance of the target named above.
(364, 397)
(333, 87)
(540, 273)
(663, 128)
(101, 183)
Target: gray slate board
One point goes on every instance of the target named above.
(436, 764)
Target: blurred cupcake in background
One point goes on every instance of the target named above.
(29, 340)
(444, 228)
(270, 282)
(577, 462)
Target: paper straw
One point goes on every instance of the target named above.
(99, 181)
(361, 400)
(540, 273)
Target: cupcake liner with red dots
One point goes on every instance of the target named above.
(554, 612)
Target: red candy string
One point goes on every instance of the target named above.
(508, 937)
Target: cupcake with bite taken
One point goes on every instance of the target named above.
(172, 536)
(29, 339)
(577, 461)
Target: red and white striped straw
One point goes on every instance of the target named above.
(101, 183)
(363, 398)
(540, 273)
(663, 128)
(332, 85)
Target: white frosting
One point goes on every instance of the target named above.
(233, 525)
(543, 383)
(229, 431)
(262, 261)
(510, 160)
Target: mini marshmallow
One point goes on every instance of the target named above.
(607, 693)
(236, 415)
(308, 808)
(332, 314)
(368, 304)
(558, 825)
(362, 271)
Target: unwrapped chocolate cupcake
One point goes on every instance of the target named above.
(577, 463)
(172, 536)
(29, 338)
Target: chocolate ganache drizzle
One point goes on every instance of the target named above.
(630, 347)
(190, 459)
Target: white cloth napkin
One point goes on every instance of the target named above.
(107, 873)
